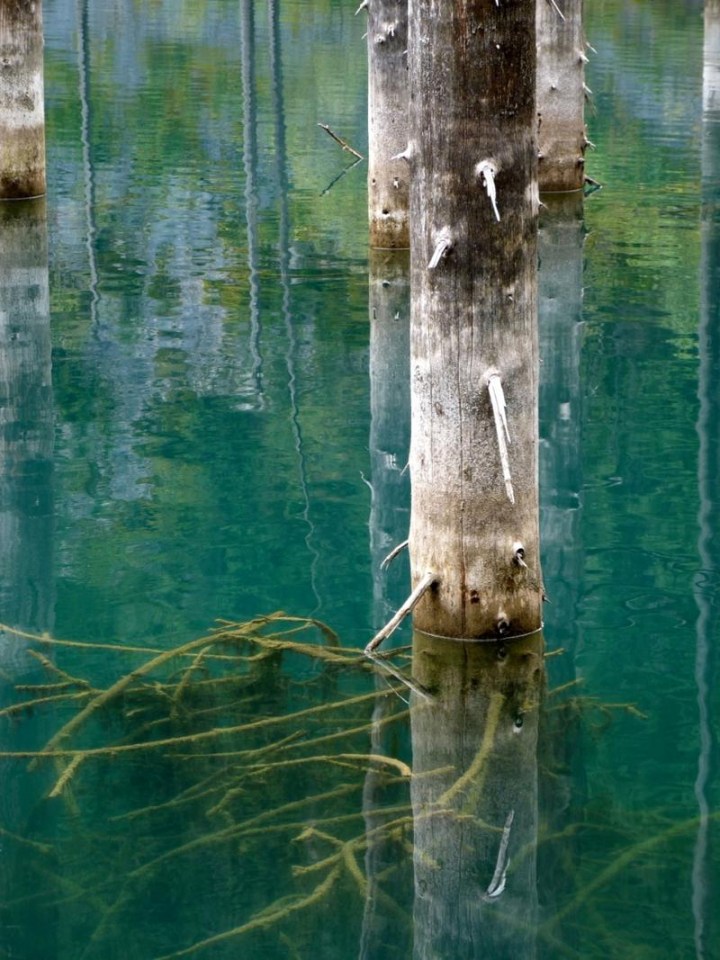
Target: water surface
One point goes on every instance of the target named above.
(205, 416)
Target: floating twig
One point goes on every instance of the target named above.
(343, 143)
(497, 399)
(557, 8)
(394, 622)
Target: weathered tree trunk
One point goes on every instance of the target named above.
(561, 95)
(388, 181)
(474, 797)
(22, 110)
(474, 522)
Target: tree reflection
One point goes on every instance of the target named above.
(706, 580)
(475, 797)
(26, 496)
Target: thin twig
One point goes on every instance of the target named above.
(343, 143)
(427, 581)
(393, 553)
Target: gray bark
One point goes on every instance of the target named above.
(561, 95)
(473, 288)
(22, 110)
(475, 759)
(388, 179)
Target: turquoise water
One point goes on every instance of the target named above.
(205, 416)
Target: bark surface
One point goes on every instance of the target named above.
(473, 315)
(22, 111)
(561, 95)
(388, 178)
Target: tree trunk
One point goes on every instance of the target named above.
(561, 95)
(474, 798)
(388, 181)
(474, 522)
(22, 110)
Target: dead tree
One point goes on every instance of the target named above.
(388, 182)
(22, 110)
(472, 156)
(561, 93)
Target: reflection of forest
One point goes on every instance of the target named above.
(166, 296)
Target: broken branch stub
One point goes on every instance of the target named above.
(487, 170)
(394, 622)
(499, 408)
(443, 244)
